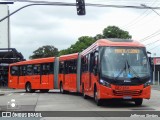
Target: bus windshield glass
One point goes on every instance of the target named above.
(124, 63)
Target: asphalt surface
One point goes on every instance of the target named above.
(54, 101)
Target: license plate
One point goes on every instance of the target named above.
(122, 87)
(127, 97)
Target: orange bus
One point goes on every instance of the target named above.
(115, 69)
(68, 73)
(31, 75)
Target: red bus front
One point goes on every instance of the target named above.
(122, 72)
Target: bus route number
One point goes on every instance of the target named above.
(122, 88)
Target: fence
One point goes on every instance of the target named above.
(156, 79)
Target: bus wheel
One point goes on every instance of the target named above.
(138, 102)
(61, 89)
(98, 101)
(28, 88)
(84, 95)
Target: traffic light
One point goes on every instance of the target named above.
(80, 4)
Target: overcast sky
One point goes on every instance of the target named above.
(36, 26)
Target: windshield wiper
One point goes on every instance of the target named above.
(127, 66)
(130, 68)
(121, 72)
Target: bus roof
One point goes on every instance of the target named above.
(35, 61)
(113, 42)
(68, 57)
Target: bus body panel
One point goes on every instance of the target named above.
(13, 82)
(38, 80)
(69, 75)
(133, 92)
(21, 83)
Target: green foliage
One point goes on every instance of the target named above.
(82, 43)
(115, 32)
(98, 36)
(44, 51)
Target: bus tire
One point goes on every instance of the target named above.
(84, 95)
(98, 101)
(28, 88)
(61, 89)
(138, 102)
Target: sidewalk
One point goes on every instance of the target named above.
(156, 87)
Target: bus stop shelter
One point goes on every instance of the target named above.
(7, 56)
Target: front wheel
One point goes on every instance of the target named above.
(29, 88)
(98, 101)
(138, 102)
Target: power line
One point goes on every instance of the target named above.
(152, 42)
(137, 19)
(154, 47)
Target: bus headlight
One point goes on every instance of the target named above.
(147, 83)
(103, 82)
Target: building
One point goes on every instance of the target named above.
(7, 55)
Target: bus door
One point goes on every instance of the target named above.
(93, 70)
(45, 76)
(61, 74)
(66, 81)
(13, 80)
(73, 76)
(21, 79)
(86, 74)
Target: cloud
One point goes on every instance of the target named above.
(36, 26)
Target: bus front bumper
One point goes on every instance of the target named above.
(132, 92)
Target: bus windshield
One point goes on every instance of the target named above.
(124, 63)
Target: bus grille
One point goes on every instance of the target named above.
(127, 92)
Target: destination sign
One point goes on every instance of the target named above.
(132, 51)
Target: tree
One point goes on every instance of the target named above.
(98, 36)
(115, 32)
(44, 51)
(82, 43)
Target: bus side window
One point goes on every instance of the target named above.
(61, 67)
(45, 68)
(14, 70)
(29, 69)
(66, 67)
(36, 69)
(51, 66)
(23, 70)
(20, 70)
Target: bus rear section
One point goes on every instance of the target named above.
(31, 75)
(68, 73)
(116, 69)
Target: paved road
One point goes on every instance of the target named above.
(54, 101)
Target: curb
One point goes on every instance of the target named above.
(1, 94)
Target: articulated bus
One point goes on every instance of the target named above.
(32, 75)
(115, 69)
(108, 69)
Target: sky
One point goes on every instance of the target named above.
(61, 27)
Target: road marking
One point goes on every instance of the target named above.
(10, 94)
(34, 93)
(22, 94)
